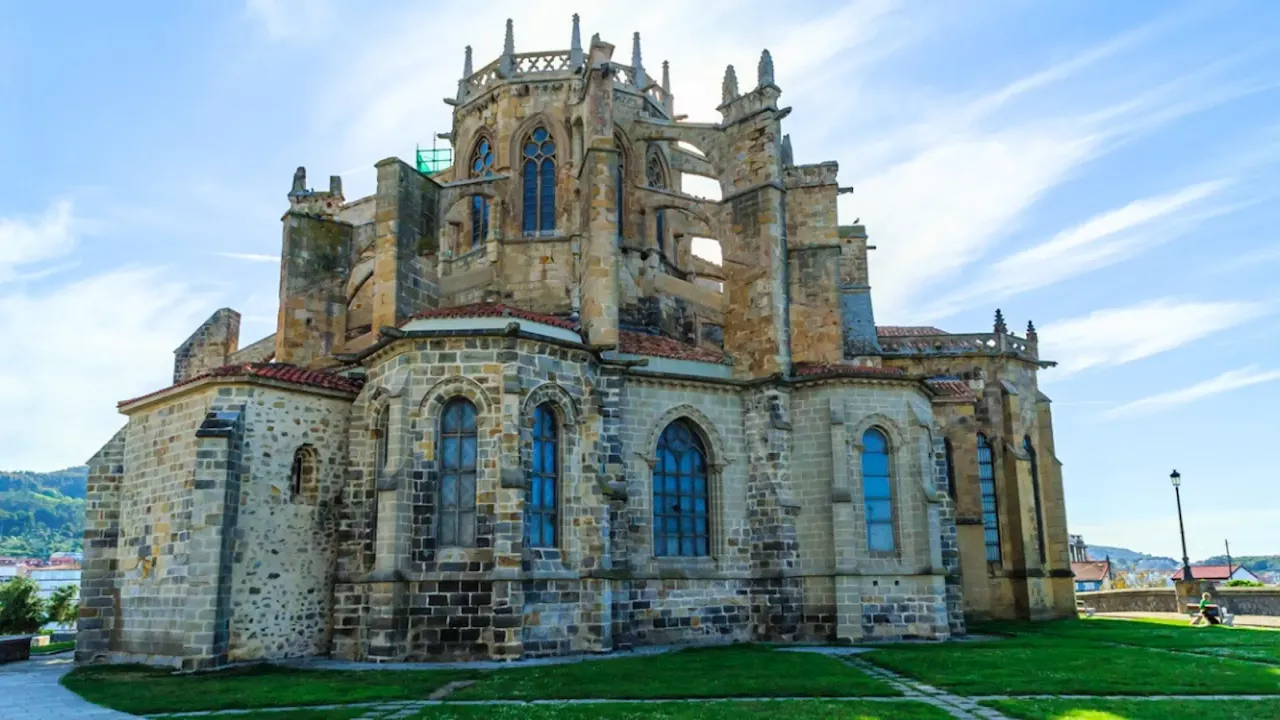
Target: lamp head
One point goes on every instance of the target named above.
(1176, 478)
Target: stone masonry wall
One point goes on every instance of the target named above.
(209, 347)
(99, 596)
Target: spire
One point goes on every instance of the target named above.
(466, 64)
(1031, 331)
(787, 158)
(666, 77)
(1000, 327)
(464, 84)
(575, 45)
(764, 70)
(507, 63)
(636, 64)
(729, 89)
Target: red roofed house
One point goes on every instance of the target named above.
(1219, 573)
(507, 413)
(1092, 575)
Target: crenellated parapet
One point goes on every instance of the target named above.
(315, 202)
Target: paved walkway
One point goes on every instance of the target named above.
(30, 691)
(1254, 621)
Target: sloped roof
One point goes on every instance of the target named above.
(949, 387)
(495, 310)
(635, 343)
(1209, 572)
(280, 372)
(1091, 570)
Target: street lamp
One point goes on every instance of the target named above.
(1176, 478)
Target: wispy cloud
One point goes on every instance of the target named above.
(251, 257)
(289, 19)
(1116, 336)
(1226, 382)
(1102, 240)
(24, 241)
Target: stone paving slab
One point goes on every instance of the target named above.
(30, 691)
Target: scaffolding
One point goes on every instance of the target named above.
(435, 159)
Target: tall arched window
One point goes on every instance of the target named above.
(1035, 494)
(619, 183)
(949, 459)
(656, 176)
(990, 514)
(381, 440)
(302, 475)
(877, 491)
(481, 166)
(681, 513)
(456, 451)
(539, 154)
(541, 502)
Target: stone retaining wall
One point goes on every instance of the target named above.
(1238, 601)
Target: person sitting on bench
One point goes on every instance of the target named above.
(1208, 612)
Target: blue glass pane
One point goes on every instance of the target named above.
(548, 530)
(700, 526)
(673, 545)
(469, 453)
(448, 529)
(700, 505)
(686, 547)
(686, 463)
(449, 490)
(671, 524)
(450, 453)
(686, 525)
(880, 537)
(548, 209)
(669, 462)
(537, 457)
(549, 494)
(530, 150)
(686, 504)
(450, 422)
(529, 220)
(873, 441)
(700, 484)
(879, 510)
(548, 457)
(875, 487)
(484, 147)
(540, 134)
(670, 484)
(686, 485)
(548, 148)
(468, 416)
(467, 490)
(875, 464)
(477, 166)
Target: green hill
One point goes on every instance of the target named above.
(42, 513)
(1254, 563)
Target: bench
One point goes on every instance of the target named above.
(1088, 611)
(14, 648)
(1193, 609)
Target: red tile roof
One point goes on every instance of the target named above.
(495, 310)
(280, 372)
(1092, 570)
(809, 369)
(635, 343)
(1209, 572)
(908, 330)
(951, 388)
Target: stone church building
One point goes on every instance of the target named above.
(507, 412)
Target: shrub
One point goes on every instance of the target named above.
(21, 610)
(1242, 583)
(63, 608)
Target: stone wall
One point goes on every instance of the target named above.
(209, 347)
(1236, 600)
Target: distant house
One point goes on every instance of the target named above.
(51, 577)
(1092, 575)
(1218, 573)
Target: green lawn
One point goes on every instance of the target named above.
(1148, 633)
(788, 710)
(142, 690)
(53, 648)
(736, 671)
(1137, 709)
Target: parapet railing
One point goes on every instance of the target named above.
(961, 344)
(558, 62)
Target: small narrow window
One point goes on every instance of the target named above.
(539, 188)
(381, 438)
(302, 475)
(990, 513)
(949, 461)
(656, 177)
(457, 457)
(481, 166)
(619, 183)
(877, 491)
(541, 503)
(681, 516)
(295, 475)
(1035, 494)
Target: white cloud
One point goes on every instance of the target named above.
(1115, 336)
(290, 19)
(251, 257)
(1226, 382)
(1102, 240)
(25, 240)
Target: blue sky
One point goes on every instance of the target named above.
(1107, 169)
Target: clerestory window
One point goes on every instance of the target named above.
(681, 498)
(481, 166)
(877, 491)
(539, 178)
(540, 507)
(456, 506)
(990, 509)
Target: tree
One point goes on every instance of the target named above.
(63, 608)
(21, 609)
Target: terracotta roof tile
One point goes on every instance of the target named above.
(908, 330)
(809, 369)
(1092, 570)
(495, 310)
(635, 343)
(280, 372)
(1208, 572)
(950, 387)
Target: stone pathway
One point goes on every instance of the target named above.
(30, 691)
(966, 708)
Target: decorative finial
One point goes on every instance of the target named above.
(335, 185)
(575, 45)
(299, 181)
(509, 42)
(595, 38)
(787, 159)
(764, 70)
(729, 89)
(1031, 331)
(466, 63)
(666, 77)
(636, 64)
(1000, 327)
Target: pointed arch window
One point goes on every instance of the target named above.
(481, 166)
(381, 440)
(949, 459)
(1035, 494)
(681, 499)
(990, 509)
(539, 178)
(456, 506)
(619, 184)
(540, 507)
(656, 176)
(877, 491)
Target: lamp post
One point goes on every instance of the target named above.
(1176, 478)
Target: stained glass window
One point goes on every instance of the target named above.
(681, 517)
(539, 198)
(987, 483)
(1035, 494)
(457, 457)
(540, 503)
(656, 176)
(877, 491)
(481, 166)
